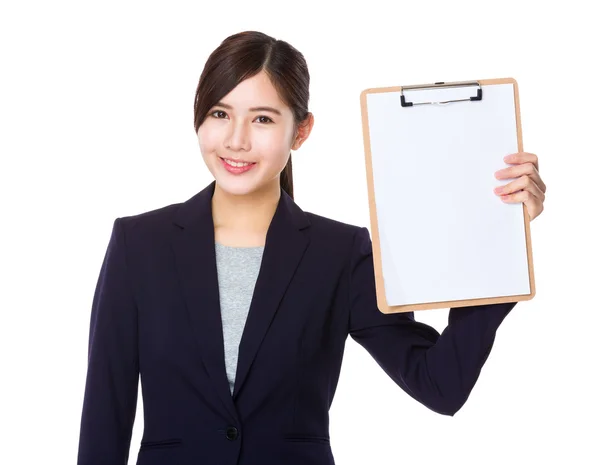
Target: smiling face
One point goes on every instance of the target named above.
(241, 128)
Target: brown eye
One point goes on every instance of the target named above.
(266, 118)
(217, 111)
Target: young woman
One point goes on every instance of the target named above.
(234, 307)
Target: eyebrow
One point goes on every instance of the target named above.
(271, 109)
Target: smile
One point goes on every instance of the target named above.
(236, 168)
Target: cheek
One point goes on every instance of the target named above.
(272, 146)
(207, 141)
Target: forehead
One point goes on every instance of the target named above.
(256, 91)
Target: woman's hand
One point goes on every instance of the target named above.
(528, 188)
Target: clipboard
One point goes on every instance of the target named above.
(441, 236)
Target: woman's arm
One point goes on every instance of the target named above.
(111, 387)
(437, 370)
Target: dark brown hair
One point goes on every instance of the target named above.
(241, 56)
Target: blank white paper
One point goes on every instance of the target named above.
(444, 234)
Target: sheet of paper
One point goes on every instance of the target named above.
(444, 233)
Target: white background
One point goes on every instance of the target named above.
(96, 111)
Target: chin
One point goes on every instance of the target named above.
(243, 184)
(237, 186)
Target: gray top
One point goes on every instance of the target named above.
(237, 270)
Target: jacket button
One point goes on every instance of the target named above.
(231, 432)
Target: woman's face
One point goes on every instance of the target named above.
(234, 129)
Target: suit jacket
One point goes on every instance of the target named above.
(156, 317)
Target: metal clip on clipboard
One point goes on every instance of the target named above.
(404, 103)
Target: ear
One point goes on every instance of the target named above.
(303, 131)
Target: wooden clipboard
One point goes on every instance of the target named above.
(391, 115)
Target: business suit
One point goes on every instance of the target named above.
(156, 312)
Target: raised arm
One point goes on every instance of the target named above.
(437, 370)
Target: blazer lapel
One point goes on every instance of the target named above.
(193, 243)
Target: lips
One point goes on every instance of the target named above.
(237, 169)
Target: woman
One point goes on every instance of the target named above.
(240, 270)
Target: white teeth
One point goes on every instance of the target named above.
(237, 164)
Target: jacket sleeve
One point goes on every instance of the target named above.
(111, 386)
(437, 370)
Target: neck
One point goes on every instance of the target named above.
(251, 213)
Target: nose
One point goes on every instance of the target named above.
(238, 137)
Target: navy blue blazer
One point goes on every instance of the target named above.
(156, 316)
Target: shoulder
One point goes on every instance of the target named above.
(331, 223)
(332, 230)
(150, 223)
